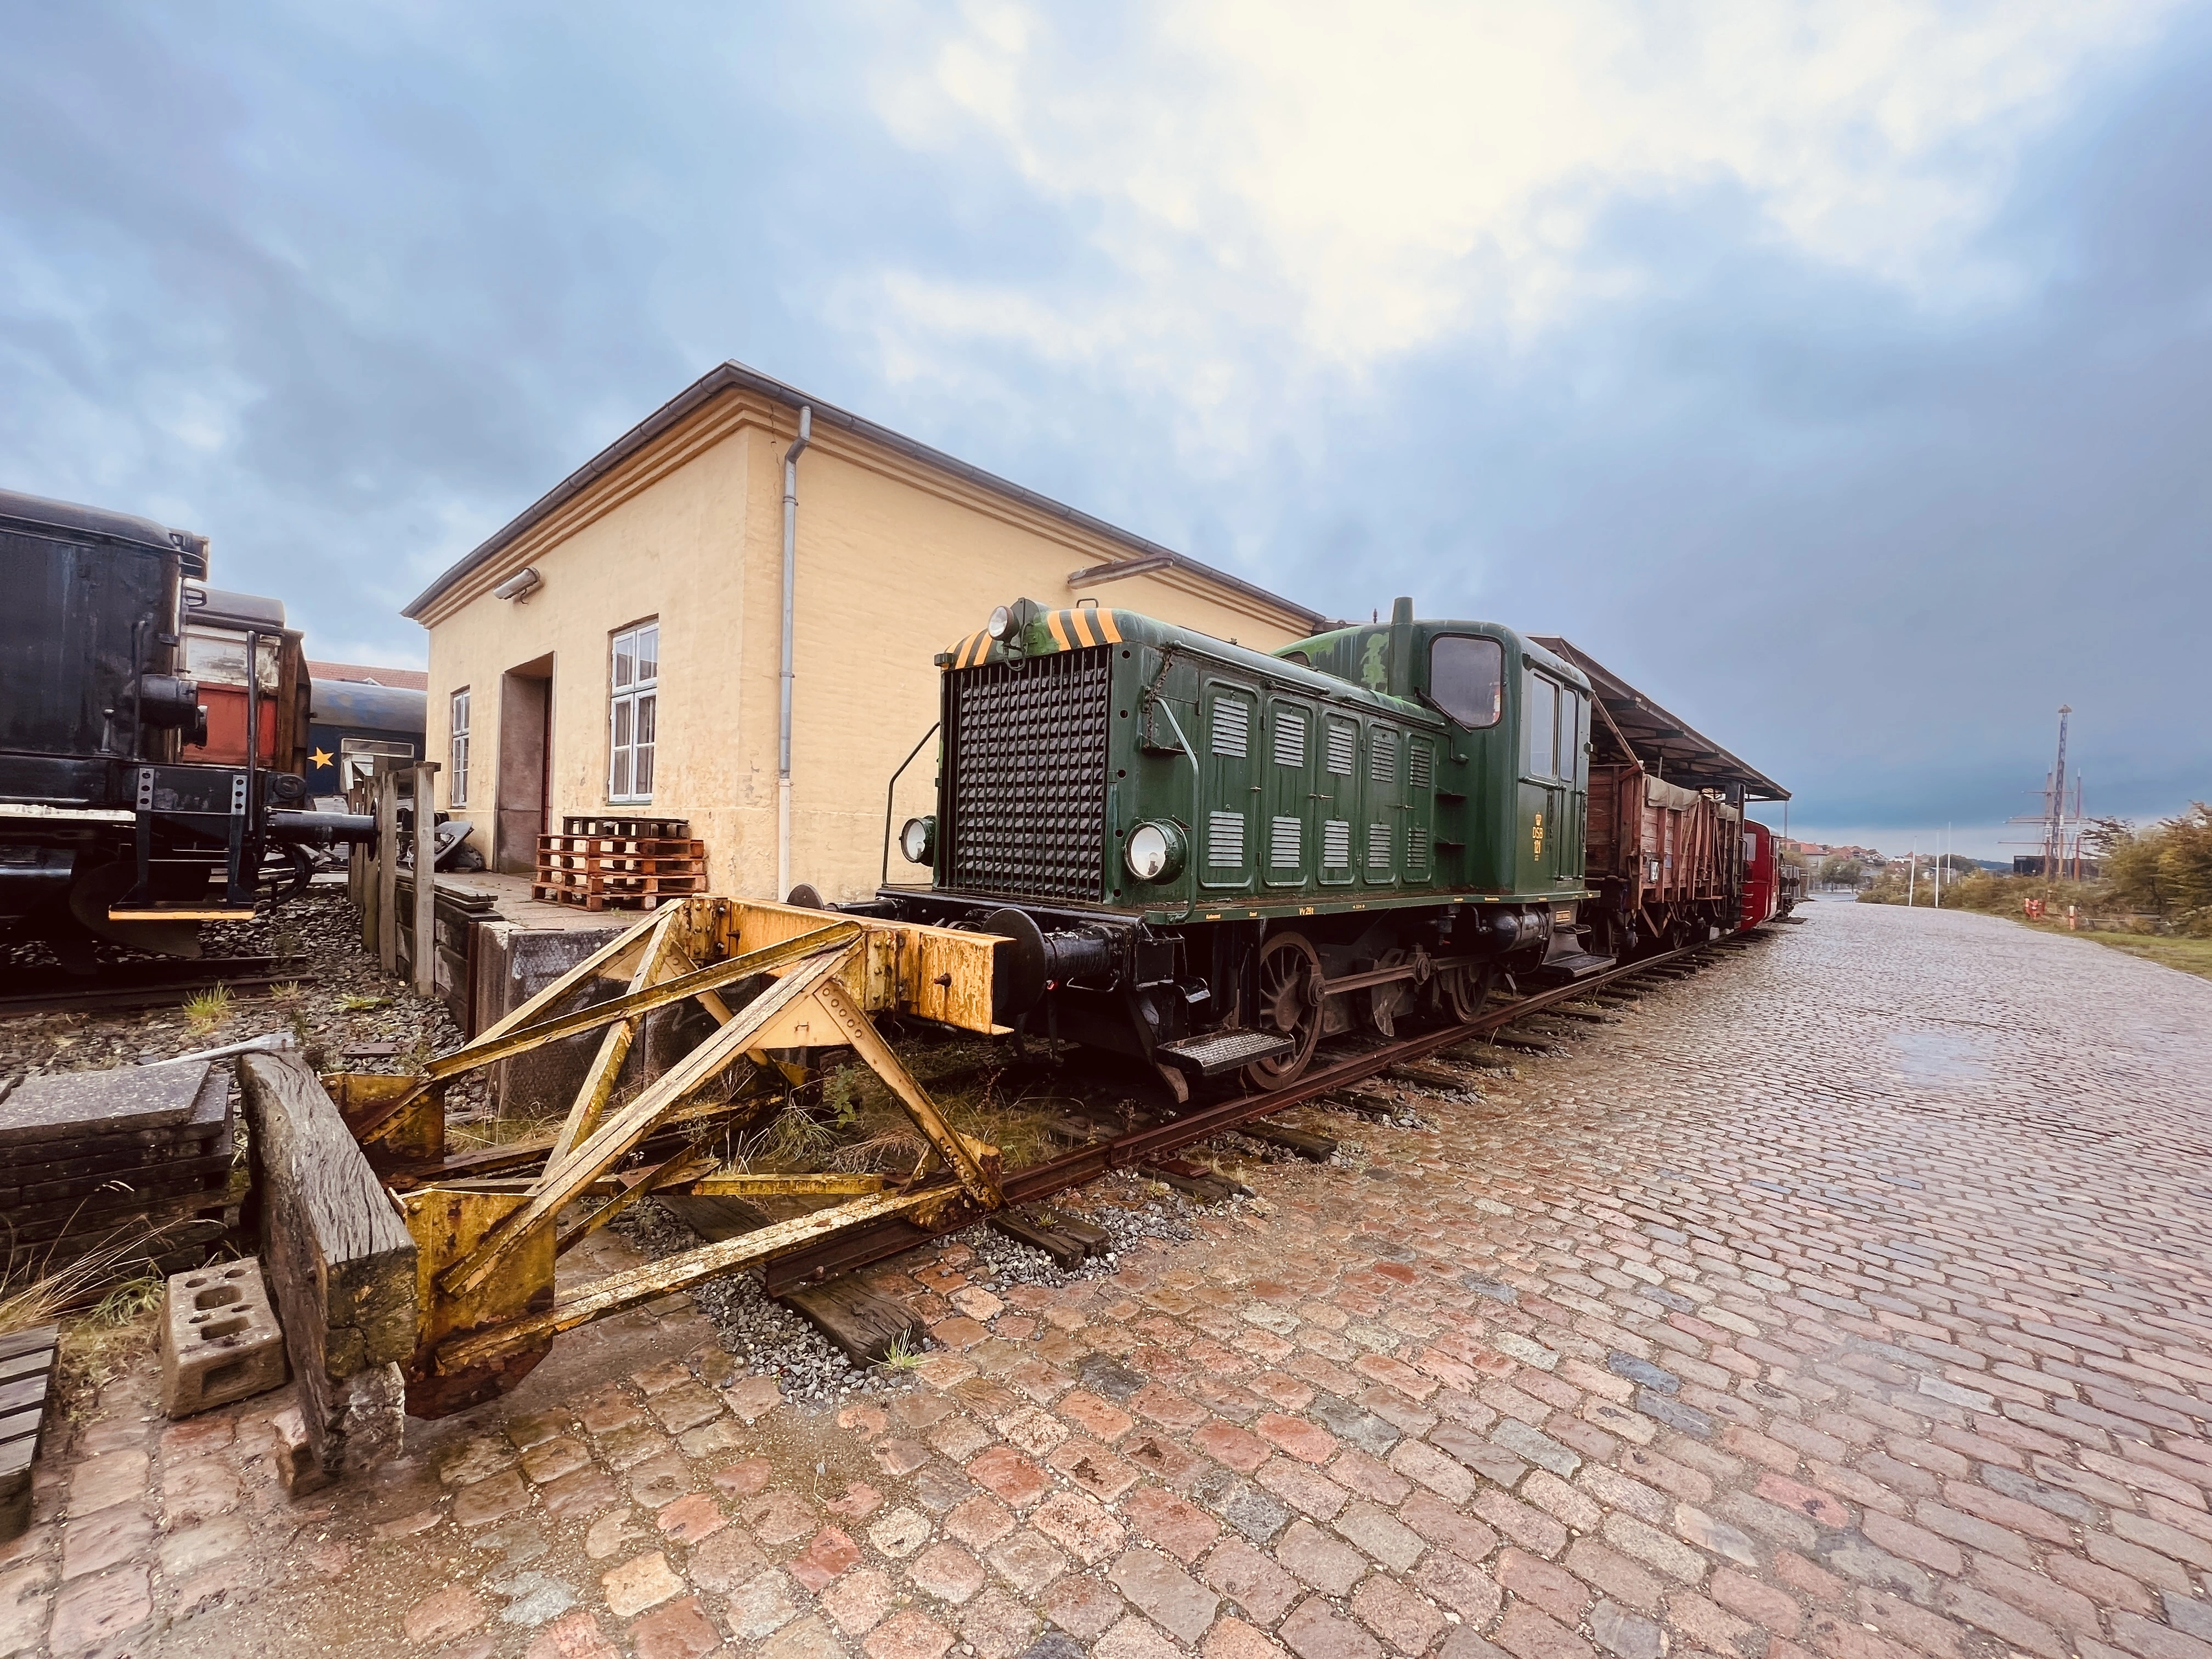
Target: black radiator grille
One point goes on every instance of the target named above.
(1026, 745)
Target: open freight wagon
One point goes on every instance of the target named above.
(1664, 846)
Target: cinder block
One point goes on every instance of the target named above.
(219, 1339)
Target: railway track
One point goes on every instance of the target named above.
(858, 1246)
(491, 1233)
(124, 985)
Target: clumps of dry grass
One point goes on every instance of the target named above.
(129, 1302)
(477, 1135)
(850, 1121)
(894, 1150)
(35, 1292)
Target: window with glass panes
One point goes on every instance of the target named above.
(456, 777)
(634, 695)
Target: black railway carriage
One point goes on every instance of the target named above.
(107, 827)
(1209, 858)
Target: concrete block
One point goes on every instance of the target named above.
(219, 1340)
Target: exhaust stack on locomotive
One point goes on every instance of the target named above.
(108, 827)
(1209, 858)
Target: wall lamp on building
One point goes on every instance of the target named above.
(521, 586)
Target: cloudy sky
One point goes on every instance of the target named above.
(1841, 372)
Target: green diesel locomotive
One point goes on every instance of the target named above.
(1209, 858)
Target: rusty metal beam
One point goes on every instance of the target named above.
(620, 1133)
(484, 1050)
(583, 1303)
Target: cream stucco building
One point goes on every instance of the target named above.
(665, 553)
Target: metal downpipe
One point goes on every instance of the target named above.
(783, 714)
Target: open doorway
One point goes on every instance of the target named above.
(526, 764)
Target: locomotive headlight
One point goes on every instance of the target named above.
(918, 840)
(1001, 625)
(1154, 851)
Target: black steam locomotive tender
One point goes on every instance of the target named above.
(105, 831)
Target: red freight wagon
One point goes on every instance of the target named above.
(1762, 892)
(1667, 862)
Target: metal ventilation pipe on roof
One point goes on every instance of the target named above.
(783, 717)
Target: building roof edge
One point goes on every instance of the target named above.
(732, 375)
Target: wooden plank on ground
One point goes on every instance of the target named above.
(1428, 1075)
(1097, 1240)
(865, 1324)
(1319, 1148)
(1525, 1045)
(1042, 1230)
(1193, 1179)
(1476, 1052)
(341, 1264)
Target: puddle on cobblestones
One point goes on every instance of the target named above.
(1938, 1056)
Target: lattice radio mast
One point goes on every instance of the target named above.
(2054, 804)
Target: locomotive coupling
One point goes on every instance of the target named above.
(321, 829)
(1515, 928)
(1032, 960)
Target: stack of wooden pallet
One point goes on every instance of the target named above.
(138, 1156)
(636, 864)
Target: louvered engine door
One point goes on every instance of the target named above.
(1287, 848)
(1382, 817)
(1420, 814)
(1230, 796)
(1336, 789)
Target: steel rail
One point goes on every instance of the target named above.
(857, 1246)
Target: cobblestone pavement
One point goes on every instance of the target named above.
(1851, 1299)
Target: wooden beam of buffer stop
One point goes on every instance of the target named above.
(827, 976)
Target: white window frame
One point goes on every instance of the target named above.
(457, 778)
(633, 712)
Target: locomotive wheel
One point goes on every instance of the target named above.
(1466, 989)
(1290, 1006)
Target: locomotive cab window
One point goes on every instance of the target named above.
(218, 657)
(1466, 679)
(634, 706)
(1540, 714)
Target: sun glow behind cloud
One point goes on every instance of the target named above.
(1362, 189)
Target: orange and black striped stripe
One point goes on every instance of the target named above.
(1086, 625)
(1071, 630)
